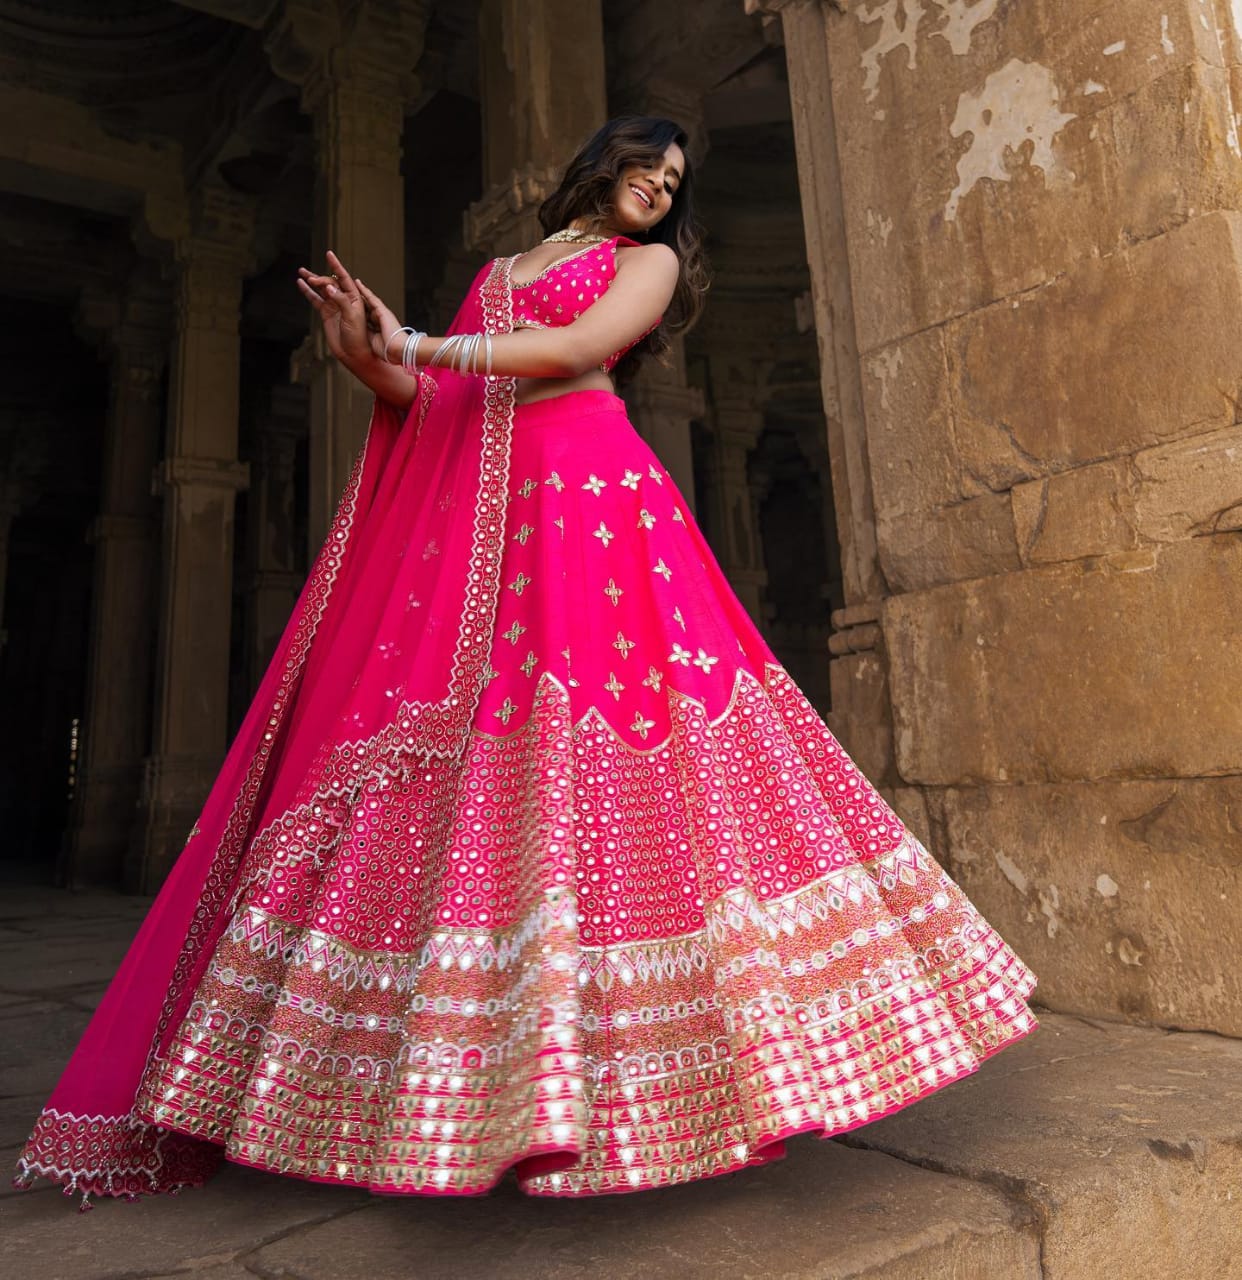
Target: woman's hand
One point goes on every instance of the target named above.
(342, 310)
(382, 324)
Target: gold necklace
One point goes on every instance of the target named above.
(575, 237)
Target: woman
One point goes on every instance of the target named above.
(529, 855)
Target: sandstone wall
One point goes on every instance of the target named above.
(1041, 214)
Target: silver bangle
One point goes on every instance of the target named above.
(405, 328)
(409, 354)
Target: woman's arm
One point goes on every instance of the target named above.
(636, 299)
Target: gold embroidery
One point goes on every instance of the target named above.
(519, 584)
(604, 533)
(623, 645)
(528, 663)
(555, 481)
(523, 533)
(681, 622)
(514, 632)
(614, 592)
(595, 484)
(645, 519)
(662, 569)
(653, 679)
(630, 479)
(680, 655)
(507, 708)
(642, 727)
(705, 661)
(614, 686)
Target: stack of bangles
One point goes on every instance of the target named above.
(459, 352)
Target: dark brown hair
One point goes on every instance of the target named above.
(587, 191)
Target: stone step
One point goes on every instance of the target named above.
(1124, 1143)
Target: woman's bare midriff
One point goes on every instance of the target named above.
(529, 390)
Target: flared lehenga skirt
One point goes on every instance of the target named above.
(654, 923)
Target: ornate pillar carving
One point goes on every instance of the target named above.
(199, 479)
(116, 721)
(272, 555)
(355, 66)
(541, 77)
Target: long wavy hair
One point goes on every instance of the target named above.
(586, 194)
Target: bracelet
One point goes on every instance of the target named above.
(460, 352)
(405, 328)
(409, 354)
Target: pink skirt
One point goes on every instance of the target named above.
(656, 922)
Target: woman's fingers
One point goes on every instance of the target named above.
(312, 297)
(340, 276)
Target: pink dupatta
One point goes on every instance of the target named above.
(438, 479)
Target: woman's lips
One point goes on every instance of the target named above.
(640, 197)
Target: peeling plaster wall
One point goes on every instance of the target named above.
(1043, 214)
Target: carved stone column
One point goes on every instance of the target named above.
(736, 427)
(355, 66)
(662, 406)
(116, 722)
(272, 554)
(542, 82)
(199, 478)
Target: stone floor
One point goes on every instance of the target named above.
(1090, 1149)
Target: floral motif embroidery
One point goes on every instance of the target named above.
(662, 569)
(514, 633)
(519, 584)
(623, 645)
(614, 592)
(678, 619)
(523, 533)
(641, 726)
(528, 487)
(680, 655)
(645, 519)
(595, 484)
(528, 663)
(507, 708)
(555, 481)
(653, 679)
(630, 479)
(614, 686)
(604, 533)
(702, 659)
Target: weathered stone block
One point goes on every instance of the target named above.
(1126, 1142)
(1054, 136)
(861, 716)
(973, 539)
(1084, 512)
(910, 445)
(1188, 488)
(1128, 665)
(1125, 352)
(1124, 897)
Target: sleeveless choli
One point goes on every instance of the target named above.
(564, 289)
(637, 922)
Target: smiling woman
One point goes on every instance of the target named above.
(529, 856)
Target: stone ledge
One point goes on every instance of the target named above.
(1126, 1143)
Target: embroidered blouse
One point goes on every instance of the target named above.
(560, 293)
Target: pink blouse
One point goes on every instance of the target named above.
(559, 294)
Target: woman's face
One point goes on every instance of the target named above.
(644, 192)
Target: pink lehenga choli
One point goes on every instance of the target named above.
(528, 855)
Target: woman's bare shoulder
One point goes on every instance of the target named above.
(657, 260)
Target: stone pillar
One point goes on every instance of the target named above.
(116, 720)
(1046, 280)
(662, 407)
(737, 424)
(199, 479)
(819, 178)
(541, 77)
(355, 67)
(272, 555)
